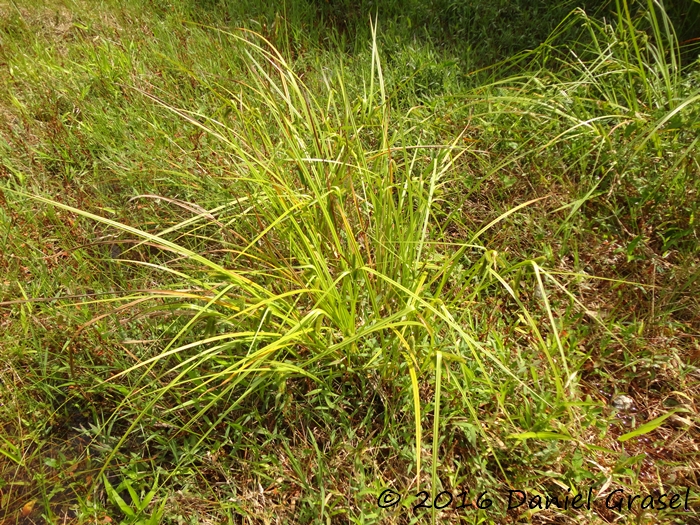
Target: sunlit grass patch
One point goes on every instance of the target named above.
(253, 280)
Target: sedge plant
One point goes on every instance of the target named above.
(330, 242)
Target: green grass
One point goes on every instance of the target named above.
(261, 263)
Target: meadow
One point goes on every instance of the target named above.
(321, 261)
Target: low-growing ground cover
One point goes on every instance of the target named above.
(259, 270)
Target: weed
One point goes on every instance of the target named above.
(263, 262)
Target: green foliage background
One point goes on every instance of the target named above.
(263, 260)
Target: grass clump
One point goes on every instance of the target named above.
(257, 273)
